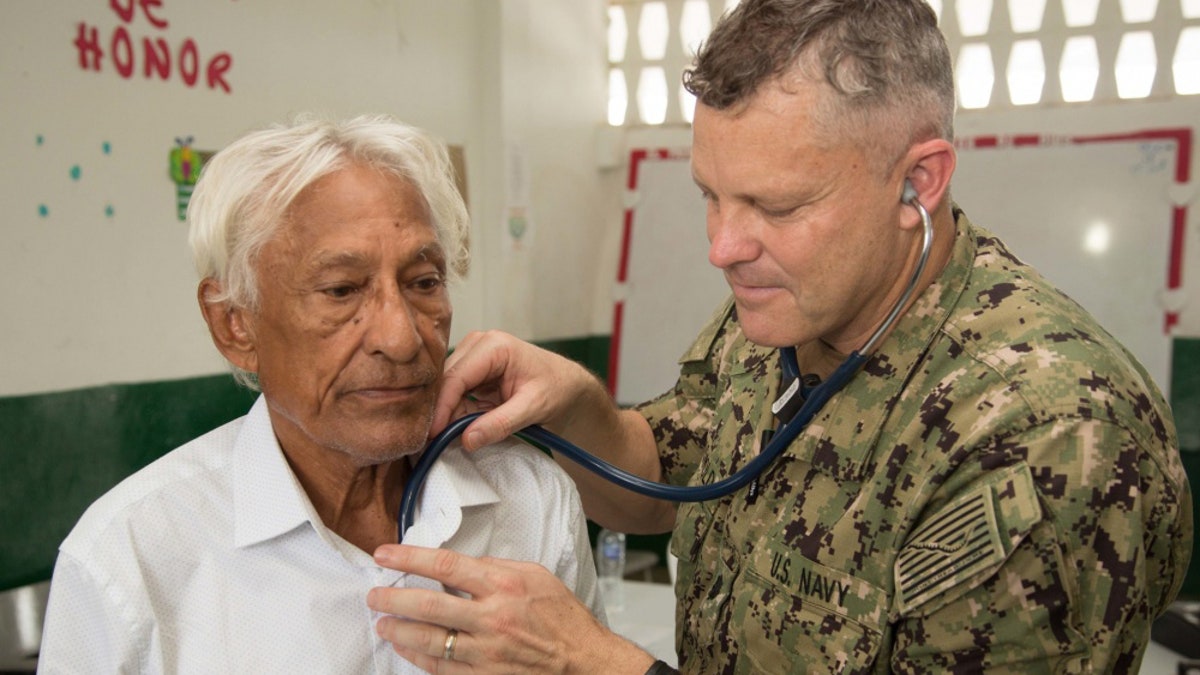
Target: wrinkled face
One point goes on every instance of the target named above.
(805, 229)
(354, 319)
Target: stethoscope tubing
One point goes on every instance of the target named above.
(675, 493)
(813, 402)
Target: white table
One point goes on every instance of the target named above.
(647, 618)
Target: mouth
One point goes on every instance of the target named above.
(751, 294)
(390, 393)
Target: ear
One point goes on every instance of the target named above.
(928, 166)
(231, 327)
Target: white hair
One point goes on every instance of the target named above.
(246, 189)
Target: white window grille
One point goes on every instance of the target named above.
(1007, 53)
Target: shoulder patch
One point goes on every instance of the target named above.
(966, 541)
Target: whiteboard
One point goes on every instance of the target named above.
(1043, 195)
(1094, 215)
(667, 290)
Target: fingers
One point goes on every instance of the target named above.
(479, 361)
(421, 607)
(453, 570)
(432, 664)
(426, 646)
(498, 373)
(518, 617)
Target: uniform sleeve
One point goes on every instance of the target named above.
(1088, 535)
(84, 630)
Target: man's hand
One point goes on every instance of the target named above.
(519, 618)
(517, 383)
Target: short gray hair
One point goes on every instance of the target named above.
(246, 189)
(883, 58)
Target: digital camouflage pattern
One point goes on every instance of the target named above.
(999, 490)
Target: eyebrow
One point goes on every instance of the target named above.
(432, 252)
(327, 260)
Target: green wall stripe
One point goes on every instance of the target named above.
(60, 451)
(1185, 404)
(63, 450)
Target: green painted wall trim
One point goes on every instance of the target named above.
(63, 450)
(1185, 392)
(1185, 405)
(60, 451)
(591, 351)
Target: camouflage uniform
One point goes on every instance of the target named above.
(999, 489)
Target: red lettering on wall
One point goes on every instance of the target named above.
(122, 52)
(125, 11)
(217, 67)
(189, 62)
(88, 44)
(156, 57)
(154, 20)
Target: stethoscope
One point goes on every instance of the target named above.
(813, 400)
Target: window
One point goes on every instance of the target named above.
(1000, 48)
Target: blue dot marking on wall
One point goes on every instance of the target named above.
(76, 172)
(43, 210)
(106, 148)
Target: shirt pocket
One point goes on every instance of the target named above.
(693, 522)
(800, 616)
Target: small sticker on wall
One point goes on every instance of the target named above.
(185, 165)
(79, 172)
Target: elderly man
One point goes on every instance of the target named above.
(325, 250)
(997, 489)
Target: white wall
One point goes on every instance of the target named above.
(100, 288)
(553, 102)
(93, 298)
(1063, 120)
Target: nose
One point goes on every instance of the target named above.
(731, 237)
(391, 328)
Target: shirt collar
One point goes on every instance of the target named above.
(454, 483)
(269, 501)
(267, 498)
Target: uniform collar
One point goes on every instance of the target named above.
(842, 436)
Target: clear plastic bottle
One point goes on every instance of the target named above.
(610, 567)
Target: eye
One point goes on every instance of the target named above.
(429, 283)
(777, 214)
(340, 291)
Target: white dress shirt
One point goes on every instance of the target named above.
(212, 559)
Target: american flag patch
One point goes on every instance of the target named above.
(954, 544)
